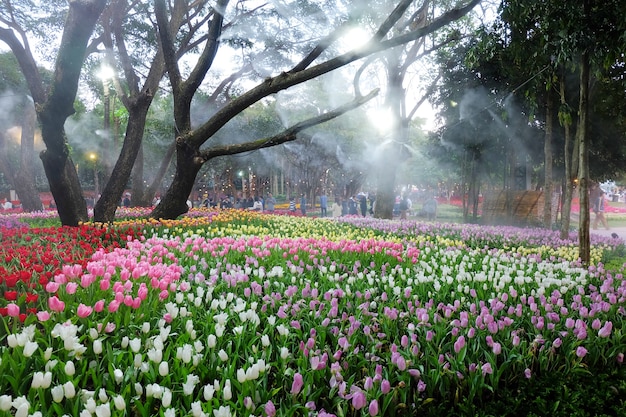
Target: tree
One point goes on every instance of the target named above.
(589, 38)
(189, 155)
(20, 110)
(54, 104)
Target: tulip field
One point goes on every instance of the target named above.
(236, 313)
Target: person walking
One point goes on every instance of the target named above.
(363, 204)
(270, 203)
(303, 205)
(596, 197)
(352, 206)
(323, 205)
(404, 207)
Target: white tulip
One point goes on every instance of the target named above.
(103, 410)
(102, 395)
(164, 368)
(119, 402)
(118, 375)
(241, 375)
(69, 368)
(69, 389)
(57, 393)
(208, 392)
(37, 380)
(90, 405)
(22, 410)
(135, 345)
(166, 399)
(97, 346)
(6, 402)
(227, 393)
(12, 341)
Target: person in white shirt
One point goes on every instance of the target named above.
(257, 205)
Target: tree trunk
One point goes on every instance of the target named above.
(58, 165)
(173, 203)
(568, 189)
(583, 172)
(24, 179)
(386, 192)
(547, 150)
(105, 208)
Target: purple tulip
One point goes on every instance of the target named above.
(297, 384)
(359, 400)
(373, 408)
(459, 344)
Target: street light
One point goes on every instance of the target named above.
(94, 158)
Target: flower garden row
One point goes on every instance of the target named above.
(238, 313)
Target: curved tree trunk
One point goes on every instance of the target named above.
(58, 165)
(105, 208)
(174, 202)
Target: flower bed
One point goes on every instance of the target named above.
(242, 313)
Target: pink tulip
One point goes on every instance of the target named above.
(55, 304)
(581, 351)
(43, 315)
(71, 287)
(99, 306)
(113, 306)
(13, 310)
(83, 311)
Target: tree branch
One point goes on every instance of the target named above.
(287, 135)
(285, 80)
(208, 54)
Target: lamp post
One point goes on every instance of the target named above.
(96, 184)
